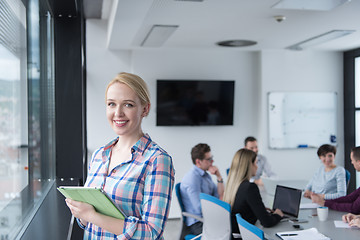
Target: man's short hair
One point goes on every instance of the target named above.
(198, 152)
(326, 148)
(356, 153)
(249, 139)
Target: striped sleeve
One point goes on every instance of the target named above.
(155, 203)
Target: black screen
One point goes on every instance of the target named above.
(287, 200)
(194, 102)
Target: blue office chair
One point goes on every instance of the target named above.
(227, 171)
(185, 230)
(217, 219)
(249, 231)
(347, 177)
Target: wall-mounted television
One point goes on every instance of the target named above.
(194, 102)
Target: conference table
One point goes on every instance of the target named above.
(310, 215)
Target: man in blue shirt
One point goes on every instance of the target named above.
(197, 181)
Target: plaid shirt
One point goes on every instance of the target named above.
(141, 187)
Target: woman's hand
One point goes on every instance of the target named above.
(307, 194)
(348, 217)
(279, 212)
(318, 198)
(355, 222)
(86, 213)
(81, 210)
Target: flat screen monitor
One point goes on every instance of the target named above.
(194, 102)
(287, 199)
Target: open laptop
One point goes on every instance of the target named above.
(287, 199)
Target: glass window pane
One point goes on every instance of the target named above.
(357, 82)
(27, 115)
(14, 170)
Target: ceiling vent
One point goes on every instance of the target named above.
(158, 35)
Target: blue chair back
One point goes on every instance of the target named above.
(217, 218)
(249, 231)
(185, 231)
(178, 195)
(347, 177)
(227, 171)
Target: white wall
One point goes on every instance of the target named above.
(255, 74)
(300, 71)
(102, 66)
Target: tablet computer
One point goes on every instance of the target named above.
(97, 197)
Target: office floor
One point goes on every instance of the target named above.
(172, 229)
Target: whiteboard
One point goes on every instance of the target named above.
(301, 119)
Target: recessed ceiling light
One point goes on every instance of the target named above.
(236, 43)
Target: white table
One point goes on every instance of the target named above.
(327, 227)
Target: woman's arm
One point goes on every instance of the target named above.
(257, 206)
(340, 185)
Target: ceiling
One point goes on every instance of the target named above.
(203, 23)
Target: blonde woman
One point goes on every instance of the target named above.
(244, 196)
(135, 172)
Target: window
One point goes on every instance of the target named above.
(27, 145)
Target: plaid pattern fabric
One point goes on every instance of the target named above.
(141, 187)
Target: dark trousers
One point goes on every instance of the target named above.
(196, 228)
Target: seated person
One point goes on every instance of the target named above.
(329, 182)
(246, 200)
(197, 181)
(349, 203)
(262, 163)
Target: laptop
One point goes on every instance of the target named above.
(287, 199)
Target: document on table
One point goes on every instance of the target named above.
(309, 205)
(308, 234)
(341, 224)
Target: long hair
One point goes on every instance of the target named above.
(240, 171)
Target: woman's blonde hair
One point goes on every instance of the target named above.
(240, 171)
(136, 83)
